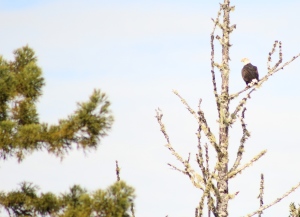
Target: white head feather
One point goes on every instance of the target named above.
(245, 61)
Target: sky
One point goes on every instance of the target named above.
(138, 52)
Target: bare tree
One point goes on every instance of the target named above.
(214, 182)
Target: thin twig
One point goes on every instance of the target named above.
(241, 105)
(280, 58)
(199, 160)
(246, 135)
(177, 169)
(206, 158)
(186, 104)
(212, 58)
(189, 157)
(288, 62)
(210, 202)
(270, 55)
(195, 178)
(117, 171)
(159, 116)
(261, 194)
(199, 156)
(201, 120)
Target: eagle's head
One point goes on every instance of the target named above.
(245, 61)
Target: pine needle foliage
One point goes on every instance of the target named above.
(294, 211)
(21, 132)
(115, 201)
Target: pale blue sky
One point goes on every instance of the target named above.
(137, 52)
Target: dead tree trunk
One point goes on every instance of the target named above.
(215, 183)
(222, 169)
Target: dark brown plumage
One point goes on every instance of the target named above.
(249, 72)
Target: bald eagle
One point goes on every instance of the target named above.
(249, 72)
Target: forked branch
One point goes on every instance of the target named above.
(195, 178)
(271, 70)
(201, 121)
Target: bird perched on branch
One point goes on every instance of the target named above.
(249, 72)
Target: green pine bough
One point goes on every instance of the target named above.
(21, 132)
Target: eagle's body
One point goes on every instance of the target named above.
(249, 72)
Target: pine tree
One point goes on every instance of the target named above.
(115, 201)
(21, 133)
(294, 212)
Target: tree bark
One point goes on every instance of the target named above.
(222, 182)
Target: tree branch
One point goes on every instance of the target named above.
(266, 77)
(261, 194)
(287, 63)
(206, 194)
(274, 202)
(207, 159)
(199, 157)
(241, 105)
(212, 58)
(201, 121)
(117, 171)
(177, 169)
(232, 174)
(271, 71)
(270, 55)
(280, 57)
(195, 178)
(245, 136)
